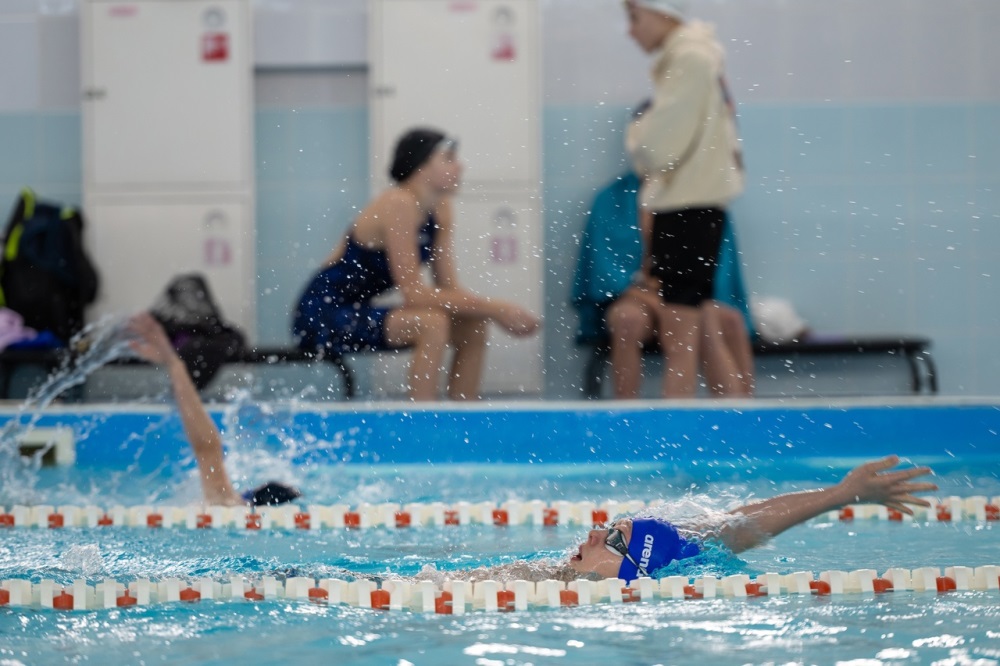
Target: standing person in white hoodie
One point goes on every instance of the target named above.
(685, 146)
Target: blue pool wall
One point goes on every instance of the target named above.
(632, 433)
(871, 137)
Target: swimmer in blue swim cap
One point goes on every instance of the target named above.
(635, 547)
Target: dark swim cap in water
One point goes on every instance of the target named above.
(270, 494)
(654, 544)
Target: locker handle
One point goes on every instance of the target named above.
(93, 94)
(384, 91)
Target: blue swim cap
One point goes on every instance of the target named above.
(654, 544)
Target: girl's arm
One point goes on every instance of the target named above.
(871, 482)
(151, 343)
(445, 294)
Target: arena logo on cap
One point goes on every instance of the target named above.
(647, 551)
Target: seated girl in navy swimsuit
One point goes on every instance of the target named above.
(407, 225)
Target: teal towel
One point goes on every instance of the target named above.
(611, 253)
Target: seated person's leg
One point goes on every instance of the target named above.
(468, 336)
(679, 330)
(427, 331)
(726, 356)
(631, 323)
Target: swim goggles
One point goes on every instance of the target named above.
(615, 542)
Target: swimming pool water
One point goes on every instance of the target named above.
(903, 628)
(333, 459)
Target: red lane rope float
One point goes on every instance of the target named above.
(4, 597)
(443, 604)
(569, 598)
(318, 595)
(946, 584)
(126, 600)
(505, 601)
(881, 585)
(690, 592)
(189, 595)
(253, 595)
(380, 599)
(6, 520)
(819, 587)
(62, 601)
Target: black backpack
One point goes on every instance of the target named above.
(195, 326)
(45, 273)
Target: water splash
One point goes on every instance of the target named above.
(96, 345)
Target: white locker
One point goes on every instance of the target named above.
(167, 88)
(168, 149)
(472, 69)
(143, 243)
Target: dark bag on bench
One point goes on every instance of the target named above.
(45, 273)
(195, 326)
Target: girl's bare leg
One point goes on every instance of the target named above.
(427, 331)
(468, 336)
(631, 324)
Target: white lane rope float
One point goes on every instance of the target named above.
(462, 597)
(979, 508)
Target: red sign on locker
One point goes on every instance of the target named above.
(215, 46)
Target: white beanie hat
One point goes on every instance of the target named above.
(675, 8)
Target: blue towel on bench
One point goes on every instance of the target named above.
(611, 253)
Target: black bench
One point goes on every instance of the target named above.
(916, 352)
(51, 359)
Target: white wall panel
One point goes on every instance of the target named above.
(19, 79)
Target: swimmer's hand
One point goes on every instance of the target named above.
(872, 482)
(149, 341)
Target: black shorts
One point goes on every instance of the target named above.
(684, 253)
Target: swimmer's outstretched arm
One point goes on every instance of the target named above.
(868, 483)
(150, 343)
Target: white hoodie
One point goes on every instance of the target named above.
(685, 144)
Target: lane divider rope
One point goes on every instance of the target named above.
(461, 597)
(977, 508)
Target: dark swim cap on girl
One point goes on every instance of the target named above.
(412, 150)
(654, 544)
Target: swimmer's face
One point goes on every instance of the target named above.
(647, 27)
(594, 556)
(444, 170)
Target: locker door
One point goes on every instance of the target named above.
(140, 246)
(468, 67)
(166, 95)
(501, 257)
